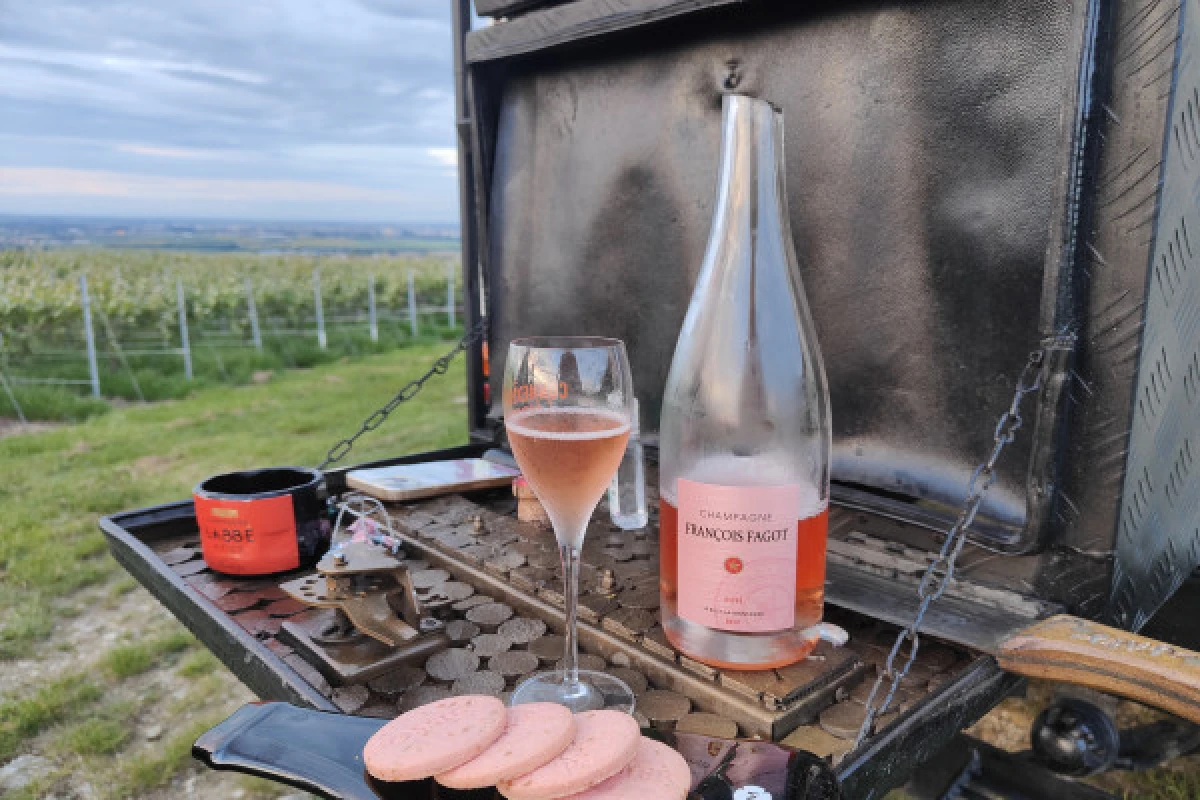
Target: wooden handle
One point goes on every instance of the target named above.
(1073, 650)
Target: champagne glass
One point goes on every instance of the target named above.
(568, 403)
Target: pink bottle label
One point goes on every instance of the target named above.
(737, 556)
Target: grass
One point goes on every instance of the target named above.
(55, 484)
(128, 660)
(154, 768)
(99, 735)
(24, 717)
(158, 377)
(198, 664)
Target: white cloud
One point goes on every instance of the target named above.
(176, 152)
(100, 183)
(446, 156)
(124, 64)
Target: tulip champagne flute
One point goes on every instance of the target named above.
(568, 405)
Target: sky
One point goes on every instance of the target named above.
(252, 109)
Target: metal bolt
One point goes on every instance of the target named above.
(608, 579)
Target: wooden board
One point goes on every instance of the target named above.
(1073, 650)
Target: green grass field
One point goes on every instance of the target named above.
(55, 569)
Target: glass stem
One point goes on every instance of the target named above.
(570, 563)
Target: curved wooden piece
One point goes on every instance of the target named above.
(1073, 650)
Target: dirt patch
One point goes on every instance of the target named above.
(166, 701)
(78, 641)
(147, 465)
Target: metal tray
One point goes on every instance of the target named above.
(810, 706)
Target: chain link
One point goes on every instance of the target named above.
(940, 573)
(408, 392)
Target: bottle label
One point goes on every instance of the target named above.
(737, 556)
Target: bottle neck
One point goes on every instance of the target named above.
(750, 189)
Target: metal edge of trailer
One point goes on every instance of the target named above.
(257, 667)
(887, 760)
(505, 8)
(583, 19)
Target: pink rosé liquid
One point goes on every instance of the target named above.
(569, 456)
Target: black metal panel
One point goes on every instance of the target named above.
(1158, 532)
(503, 8)
(1046, 127)
(922, 187)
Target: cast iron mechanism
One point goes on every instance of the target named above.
(366, 584)
(1075, 737)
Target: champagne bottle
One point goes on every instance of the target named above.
(745, 436)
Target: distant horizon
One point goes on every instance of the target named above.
(226, 220)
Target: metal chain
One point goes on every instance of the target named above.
(410, 390)
(940, 572)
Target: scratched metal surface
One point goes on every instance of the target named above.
(921, 181)
(1158, 538)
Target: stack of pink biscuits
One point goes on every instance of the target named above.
(539, 751)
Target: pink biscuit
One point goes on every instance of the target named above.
(657, 771)
(435, 738)
(604, 744)
(536, 734)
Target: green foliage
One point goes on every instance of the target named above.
(134, 305)
(134, 291)
(51, 403)
(55, 483)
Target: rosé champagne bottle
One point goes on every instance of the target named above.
(745, 437)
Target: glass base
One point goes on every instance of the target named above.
(593, 691)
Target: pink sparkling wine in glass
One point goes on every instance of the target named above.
(568, 455)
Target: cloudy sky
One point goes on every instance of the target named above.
(273, 109)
